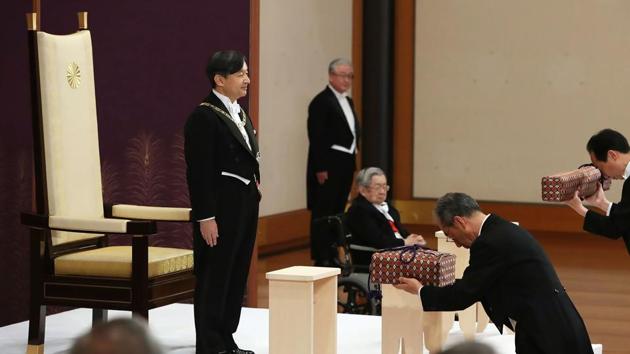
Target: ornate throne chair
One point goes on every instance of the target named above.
(71, 264)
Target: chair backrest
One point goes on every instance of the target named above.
(69, 132)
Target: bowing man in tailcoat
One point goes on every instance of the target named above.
(223, 177)
(511, 275)
(333, 134)
(610, 153)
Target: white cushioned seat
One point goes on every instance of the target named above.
(115, 261)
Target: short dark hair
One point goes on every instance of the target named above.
(224, 63)
(605, 140)
(451, 205)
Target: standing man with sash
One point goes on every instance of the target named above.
(223, 177)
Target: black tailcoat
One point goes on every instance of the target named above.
(617, 224)
(369, 227)
(513, 278)
(328, 126)
(216, 156)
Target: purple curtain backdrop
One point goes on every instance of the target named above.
(149, 59)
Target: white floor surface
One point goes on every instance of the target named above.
(174, 327)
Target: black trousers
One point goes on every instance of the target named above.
(221, 271)
(331, 198)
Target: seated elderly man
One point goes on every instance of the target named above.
(373, 221)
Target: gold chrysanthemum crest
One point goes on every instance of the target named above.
(73, 75)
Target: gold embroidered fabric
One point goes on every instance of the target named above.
(115, 261)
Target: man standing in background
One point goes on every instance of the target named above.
(333, 134)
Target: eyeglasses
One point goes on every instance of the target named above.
(349, 76)
(379, 187)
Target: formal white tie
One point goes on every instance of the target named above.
(234, 108)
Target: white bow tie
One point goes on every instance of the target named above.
(234, 108)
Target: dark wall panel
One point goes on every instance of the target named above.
(149, 59)
(378, 26)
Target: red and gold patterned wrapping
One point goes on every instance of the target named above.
(562, 186)
(428, 266)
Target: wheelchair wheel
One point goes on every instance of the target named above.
(352, 297)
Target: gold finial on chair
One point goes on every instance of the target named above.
(83, 20)
(31, 21)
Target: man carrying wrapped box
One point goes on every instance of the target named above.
(610, 153)
(512, 277)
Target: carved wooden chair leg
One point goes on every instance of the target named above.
(36, 329)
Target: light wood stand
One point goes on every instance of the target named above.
(303, 310)
(404, 323)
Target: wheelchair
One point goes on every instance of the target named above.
(353, 288)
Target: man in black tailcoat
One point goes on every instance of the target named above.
(333, 134)
(610, 153)
(511, 275)
(223, 177)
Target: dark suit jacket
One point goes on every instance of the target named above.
(513, 278)
(327, 126)
(369, 227)
(617, 224)
(215, 146)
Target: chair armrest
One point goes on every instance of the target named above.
(362, 248)
(89, 225)
(142, 212)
